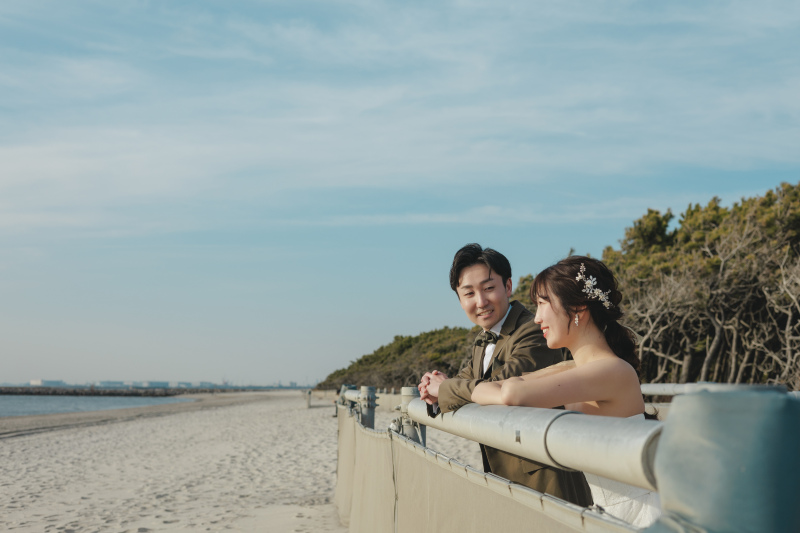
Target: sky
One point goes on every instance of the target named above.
(261, 191)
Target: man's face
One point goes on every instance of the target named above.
(483, 295)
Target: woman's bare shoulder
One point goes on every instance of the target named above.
(609, 366)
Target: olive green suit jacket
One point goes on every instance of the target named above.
(521, 348)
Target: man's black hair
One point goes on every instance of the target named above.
(473, 254)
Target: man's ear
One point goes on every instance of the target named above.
(508, 288)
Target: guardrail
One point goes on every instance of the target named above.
(726, 459)
(675, 389)
(617, 448)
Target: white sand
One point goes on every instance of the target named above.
(263, 466)
(267, 465)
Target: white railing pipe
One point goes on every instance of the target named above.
(352, 396)
(620, 449)
(673, 389)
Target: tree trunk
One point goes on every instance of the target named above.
(687, 365)
(742, 367)
(734, 346)
(787, 335)
(716, 344)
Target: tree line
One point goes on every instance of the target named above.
(712, 296)
(716, 297)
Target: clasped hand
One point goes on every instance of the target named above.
(429, 386)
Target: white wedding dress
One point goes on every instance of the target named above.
(637, 506)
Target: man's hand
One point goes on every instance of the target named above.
(429, 386)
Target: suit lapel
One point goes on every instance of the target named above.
(477, 353)
(505, 332)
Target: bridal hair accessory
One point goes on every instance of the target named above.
(590, 289)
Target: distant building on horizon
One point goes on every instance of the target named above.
(112, 384)
(47, 383)
(155, 384)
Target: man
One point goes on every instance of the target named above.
(509, 345)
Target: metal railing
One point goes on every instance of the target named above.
(731, 436)
(675, 389)
(617, 448)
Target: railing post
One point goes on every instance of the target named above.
(728, 461)
(368, 404)
(410, 429)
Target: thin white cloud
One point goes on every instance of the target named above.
(625, 209)
(383, 96)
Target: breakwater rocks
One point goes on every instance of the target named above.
(95, 391)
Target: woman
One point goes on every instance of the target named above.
(578, 309)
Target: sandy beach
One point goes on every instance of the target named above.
(227, 462)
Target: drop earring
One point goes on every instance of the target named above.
(576, 319)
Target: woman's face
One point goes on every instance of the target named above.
(553, 320)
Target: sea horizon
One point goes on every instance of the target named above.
(30, 405)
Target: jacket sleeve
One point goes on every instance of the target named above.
(525, 351)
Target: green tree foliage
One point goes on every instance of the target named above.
(402, 362)
(523, 292)
(714, 297)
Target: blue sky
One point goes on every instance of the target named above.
(263, 191)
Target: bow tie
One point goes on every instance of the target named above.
(486, 338)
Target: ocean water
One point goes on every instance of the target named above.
(23, 405)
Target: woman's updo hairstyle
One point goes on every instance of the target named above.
(580, 282)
